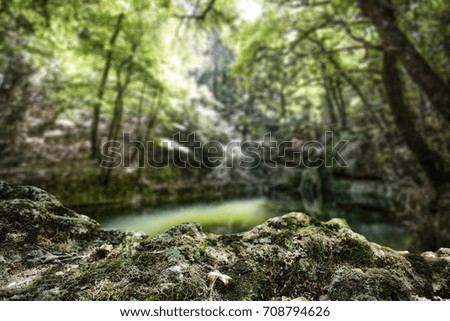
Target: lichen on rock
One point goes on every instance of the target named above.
(48, 252)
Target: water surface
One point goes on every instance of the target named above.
(240, 215)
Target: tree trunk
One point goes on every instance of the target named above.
(340, 102)
(117, 118)
(101, 88)
(328, 100)
(381, 13)
(283, 103)
(404, 116)
(113, 130)
(151, 120)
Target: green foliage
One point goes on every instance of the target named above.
(157, 67)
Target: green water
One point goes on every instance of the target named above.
(220, 217)
(240, 215)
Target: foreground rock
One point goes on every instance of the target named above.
(48, 252)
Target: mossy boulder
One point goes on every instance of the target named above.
(48, 252)
(30, 219)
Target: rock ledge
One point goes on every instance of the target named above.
(49, 252)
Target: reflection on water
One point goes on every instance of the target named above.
(223, 217)
(240, 215)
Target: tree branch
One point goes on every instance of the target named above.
(368, 44)
(199, 17)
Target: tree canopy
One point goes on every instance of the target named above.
(372, 71)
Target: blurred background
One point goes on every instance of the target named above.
(77, 73)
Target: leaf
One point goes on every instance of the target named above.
(225, 279)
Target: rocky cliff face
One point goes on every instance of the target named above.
(48, 252)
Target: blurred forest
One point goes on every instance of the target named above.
(77, 73)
